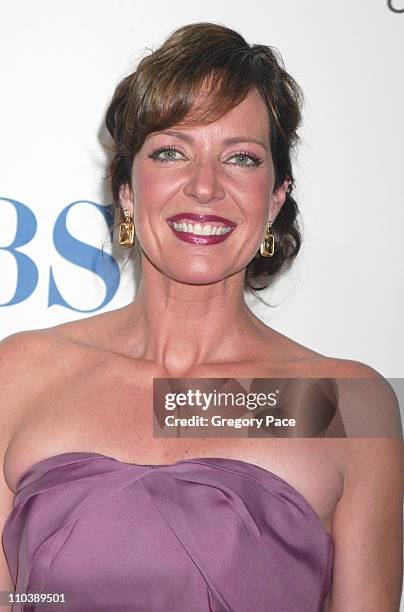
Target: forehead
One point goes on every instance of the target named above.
(249, 117)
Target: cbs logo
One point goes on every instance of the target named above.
(74, 251)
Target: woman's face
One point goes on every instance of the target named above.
(224, 169)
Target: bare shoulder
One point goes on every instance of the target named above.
(305, 361)
(96, 331)
(346, 368)
(368, 406)
(20, 343)
(370, 410)
(18, 352)
(26, 356)
(21, 354)
(28, 362)
(314, 363)
(368, 403)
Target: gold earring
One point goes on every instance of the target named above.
(127, 230)
(267, 247)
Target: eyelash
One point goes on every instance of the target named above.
(257, 161)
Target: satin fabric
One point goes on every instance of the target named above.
(204, 534)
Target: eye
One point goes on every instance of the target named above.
(156, 155)
(167, 153)
(245, 156)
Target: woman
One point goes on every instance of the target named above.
(111, 515)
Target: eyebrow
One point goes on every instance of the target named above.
(231, 140)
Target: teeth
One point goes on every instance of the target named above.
(201, 230)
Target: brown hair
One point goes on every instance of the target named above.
(162, 91)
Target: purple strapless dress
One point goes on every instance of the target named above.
(199, 535)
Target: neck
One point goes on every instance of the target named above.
(181, 326)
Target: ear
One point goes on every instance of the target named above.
(278, 199)
(126, 199)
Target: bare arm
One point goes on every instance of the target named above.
(6, 496)
(6, 505)
(367, 528)
(15, 379)
(7, 351)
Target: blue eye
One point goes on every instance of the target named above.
(167, 149)
(171, 150)
(253, 158)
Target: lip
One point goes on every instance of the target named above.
(202, 218)
(196, 238)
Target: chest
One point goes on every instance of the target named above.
(104, 412)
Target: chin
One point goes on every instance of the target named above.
(194, 272)
(195, 277)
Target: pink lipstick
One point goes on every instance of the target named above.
(198, 238)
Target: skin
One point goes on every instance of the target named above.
(202, 286)
(189, 319)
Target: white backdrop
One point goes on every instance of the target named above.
(60, 62)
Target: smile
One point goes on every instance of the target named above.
(201, 229)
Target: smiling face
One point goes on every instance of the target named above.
(184, 175)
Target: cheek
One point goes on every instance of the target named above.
(255, 196)
(263, 186)
(146, 197)
(152, 189)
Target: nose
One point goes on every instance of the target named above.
(204, 182)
